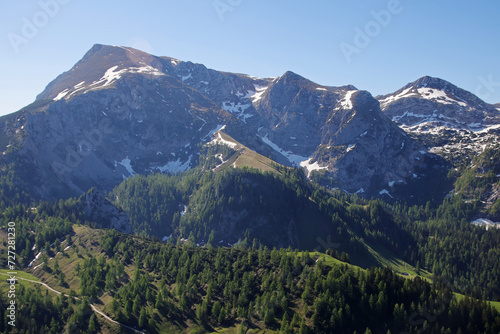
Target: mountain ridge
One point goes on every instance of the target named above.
(120, 111)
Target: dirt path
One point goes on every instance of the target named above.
(91, 305)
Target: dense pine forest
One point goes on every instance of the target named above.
(238, 250)
(154, 286)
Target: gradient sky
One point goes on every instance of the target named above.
(455, 40)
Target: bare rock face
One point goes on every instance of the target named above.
(113, 124)
(338, 130)
(98, 209)
(367, 152)
(120, 112)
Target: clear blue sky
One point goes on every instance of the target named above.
(454, 40)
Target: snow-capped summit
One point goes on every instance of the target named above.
(433, 89)
(100, 68)
(438, 95)
(444, 114)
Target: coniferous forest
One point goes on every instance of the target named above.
(355, 265)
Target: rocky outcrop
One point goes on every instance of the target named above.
(101, 211)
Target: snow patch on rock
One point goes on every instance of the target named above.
(293, 158)
(176, 166)
(126, 163)
(307, 164)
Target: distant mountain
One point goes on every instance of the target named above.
(451, 121)
(439, 103)
(120, 112)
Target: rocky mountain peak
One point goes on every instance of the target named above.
(292, 77)
(430, 82)
(451, 121)
(437, 91)
(101, 66)
(364, 101)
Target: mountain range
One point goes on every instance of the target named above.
(159, 195)
(120, 112)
